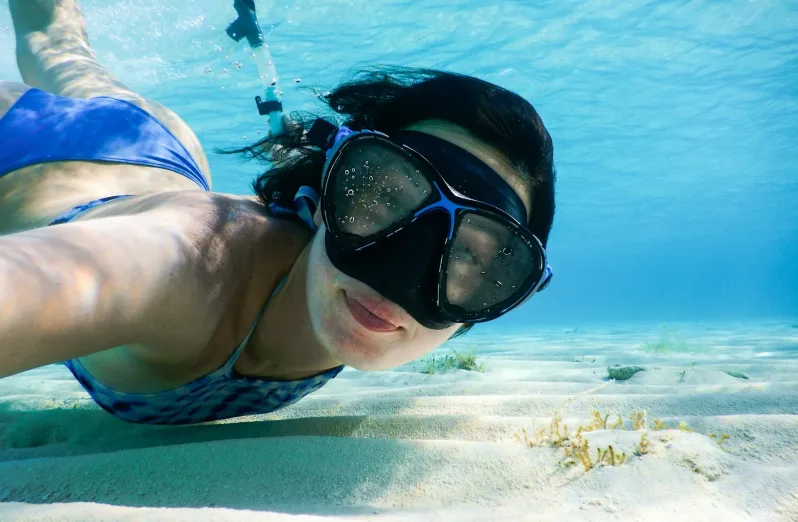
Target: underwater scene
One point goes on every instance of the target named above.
(655, 378)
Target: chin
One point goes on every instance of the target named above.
(351, 344)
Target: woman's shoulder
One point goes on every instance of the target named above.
(215, 213)
(217, 224)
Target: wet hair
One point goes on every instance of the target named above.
(389, 99)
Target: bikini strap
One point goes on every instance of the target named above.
(228, 366)
(305, 203)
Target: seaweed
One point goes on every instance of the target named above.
(735, 373)
(643, 446)
(639, 419)
(452, 360)
(669, 342)
(576, 448)
(598, 422)
(610, 457)
(720, 439)
(622, 373)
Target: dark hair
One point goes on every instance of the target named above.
(391, 98)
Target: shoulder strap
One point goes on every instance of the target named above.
(228, 366)
(305, 202)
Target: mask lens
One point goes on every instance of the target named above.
(490, 263)
(374, 186)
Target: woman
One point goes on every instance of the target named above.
(437, 197)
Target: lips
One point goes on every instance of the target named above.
(373, 315)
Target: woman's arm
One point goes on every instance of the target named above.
(79, 288)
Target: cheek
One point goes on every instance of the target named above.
(321, 274)
(323, 286)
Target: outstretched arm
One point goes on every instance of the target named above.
(79, 288)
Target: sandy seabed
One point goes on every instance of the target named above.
(403, 445)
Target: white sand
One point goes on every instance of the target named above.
(406, 446)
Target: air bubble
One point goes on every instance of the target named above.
(352, 219)
(350, 192)
(498, 284)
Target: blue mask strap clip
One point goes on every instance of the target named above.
(306, 201)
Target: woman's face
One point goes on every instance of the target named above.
(355, 324)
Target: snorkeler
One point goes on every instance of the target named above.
(368, 245)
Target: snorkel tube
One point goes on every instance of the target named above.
(247, 26)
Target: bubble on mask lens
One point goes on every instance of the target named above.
(376, 195)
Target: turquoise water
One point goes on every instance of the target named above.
(675, 126)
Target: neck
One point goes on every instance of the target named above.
(284, 345)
